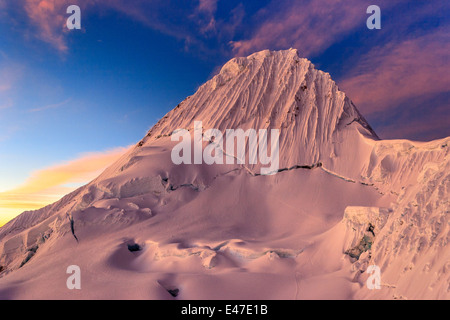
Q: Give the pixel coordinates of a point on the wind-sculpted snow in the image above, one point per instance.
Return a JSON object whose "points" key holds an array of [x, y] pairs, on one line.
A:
{"points": [[274, 90], [413, 246], [341, 200]]}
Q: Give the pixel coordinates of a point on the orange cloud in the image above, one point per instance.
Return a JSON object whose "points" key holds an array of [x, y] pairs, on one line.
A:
{"points": [[48, 185]]}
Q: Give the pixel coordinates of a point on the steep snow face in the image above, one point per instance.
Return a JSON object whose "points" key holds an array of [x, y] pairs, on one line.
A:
{"points": [[274, 90], [341, 201]]}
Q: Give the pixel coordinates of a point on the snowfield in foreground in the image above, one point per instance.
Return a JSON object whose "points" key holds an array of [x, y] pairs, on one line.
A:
{"points": [[343, 200]]}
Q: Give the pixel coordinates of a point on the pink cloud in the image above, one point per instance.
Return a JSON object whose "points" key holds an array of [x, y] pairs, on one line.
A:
{"points": [[204, 14], [48, 17], [209, 6], [310, 26], [400, 70], [190, 23]]}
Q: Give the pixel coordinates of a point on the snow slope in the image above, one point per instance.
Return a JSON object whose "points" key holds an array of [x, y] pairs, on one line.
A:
{"points": [[341, 201]]}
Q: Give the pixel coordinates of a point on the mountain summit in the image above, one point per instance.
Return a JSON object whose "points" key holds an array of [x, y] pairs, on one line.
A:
{"points": [[274, 90], [340, 201]]}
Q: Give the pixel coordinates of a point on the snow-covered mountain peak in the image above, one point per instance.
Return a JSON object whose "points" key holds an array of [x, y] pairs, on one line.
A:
{"points": [[273, 90], [341, 200]]}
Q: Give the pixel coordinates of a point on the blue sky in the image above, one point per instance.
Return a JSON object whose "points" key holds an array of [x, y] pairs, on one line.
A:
{"points": [[65, 94]]}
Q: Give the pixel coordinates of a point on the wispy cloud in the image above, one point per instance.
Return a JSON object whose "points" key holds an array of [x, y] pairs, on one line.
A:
{"points": [[48, 185], [400, 70], [204, 14], [191, 22], [405, 61], [404, 85], [51, 106], [48, 17], [310, 26]]}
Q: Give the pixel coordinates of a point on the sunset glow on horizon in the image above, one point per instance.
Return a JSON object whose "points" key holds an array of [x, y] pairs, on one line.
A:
{"points": [[48, 185]]}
